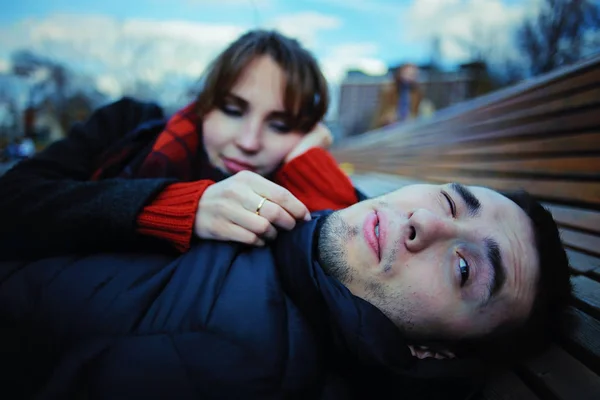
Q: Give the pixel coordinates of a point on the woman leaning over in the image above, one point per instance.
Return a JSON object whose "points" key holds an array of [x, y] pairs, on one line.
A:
{"points": [[246, 158]]}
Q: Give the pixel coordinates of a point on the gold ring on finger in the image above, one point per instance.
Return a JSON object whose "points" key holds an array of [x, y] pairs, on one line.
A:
{"points": [[262, 202]]}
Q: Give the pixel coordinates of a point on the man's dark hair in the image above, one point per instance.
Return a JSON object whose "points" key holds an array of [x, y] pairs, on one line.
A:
{"points": [[548, 318]]}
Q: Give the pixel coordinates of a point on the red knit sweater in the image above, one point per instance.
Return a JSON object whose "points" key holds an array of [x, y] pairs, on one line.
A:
{"points": [[313, 177]]}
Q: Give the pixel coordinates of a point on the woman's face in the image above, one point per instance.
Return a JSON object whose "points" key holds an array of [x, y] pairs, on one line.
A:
{"points": [[250, 129]]}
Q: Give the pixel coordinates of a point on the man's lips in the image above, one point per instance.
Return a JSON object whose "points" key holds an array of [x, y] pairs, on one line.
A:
{"points": [[373, 241], [234, 165]]}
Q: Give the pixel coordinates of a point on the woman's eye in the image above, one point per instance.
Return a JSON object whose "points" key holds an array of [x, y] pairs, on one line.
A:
{"points": [[231, 110], [464, 269], [280, 127], [451, 203]]}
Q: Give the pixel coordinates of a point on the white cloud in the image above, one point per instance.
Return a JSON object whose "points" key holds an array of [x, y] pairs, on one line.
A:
{"points": [[4, 65], [305, 26], [463, 23], [352, 56], [108, 84], [119, 52]]}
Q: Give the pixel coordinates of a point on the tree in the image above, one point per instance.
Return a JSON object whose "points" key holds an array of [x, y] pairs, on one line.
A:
{"points": [[563, 31], [54, 89]]}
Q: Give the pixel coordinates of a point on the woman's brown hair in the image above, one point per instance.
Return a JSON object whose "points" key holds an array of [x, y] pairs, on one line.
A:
{"points": [[306, 95]]}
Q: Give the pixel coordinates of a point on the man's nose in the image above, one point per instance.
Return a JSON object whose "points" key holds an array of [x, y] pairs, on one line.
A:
{"points": [[250, 137], [426, 228]]}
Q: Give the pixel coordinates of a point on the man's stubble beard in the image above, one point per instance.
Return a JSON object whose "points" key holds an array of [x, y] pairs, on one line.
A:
{"points": [[334, 238], [332, 253]]}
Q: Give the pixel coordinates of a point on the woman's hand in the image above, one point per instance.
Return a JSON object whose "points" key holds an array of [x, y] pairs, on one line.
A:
{"points": [[228, 210], [320, 136]]}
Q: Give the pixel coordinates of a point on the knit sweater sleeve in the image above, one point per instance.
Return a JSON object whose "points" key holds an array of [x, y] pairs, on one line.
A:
{"points": [[48, 205], [170, 216], [316, 180]]}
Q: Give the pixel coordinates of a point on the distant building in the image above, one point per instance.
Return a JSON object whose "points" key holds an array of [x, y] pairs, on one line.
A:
{"points": [[359, 92], [357, 101]]}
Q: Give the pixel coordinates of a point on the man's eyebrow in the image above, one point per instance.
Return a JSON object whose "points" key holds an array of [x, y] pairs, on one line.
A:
{"points": [[472, 202], [498, 274]]}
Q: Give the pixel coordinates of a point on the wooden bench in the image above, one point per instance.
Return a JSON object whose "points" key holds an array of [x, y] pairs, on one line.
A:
{"points": [[543, 136]]}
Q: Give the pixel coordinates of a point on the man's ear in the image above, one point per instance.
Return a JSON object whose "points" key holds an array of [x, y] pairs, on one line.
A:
{"points": [[422, 352]]}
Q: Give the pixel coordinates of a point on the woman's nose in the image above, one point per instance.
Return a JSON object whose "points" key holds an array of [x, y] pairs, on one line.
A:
{"points": [[250, 139]]}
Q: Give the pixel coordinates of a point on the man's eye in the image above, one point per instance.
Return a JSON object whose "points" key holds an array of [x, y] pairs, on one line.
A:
{"points": [[464, 269], [451, 203]]}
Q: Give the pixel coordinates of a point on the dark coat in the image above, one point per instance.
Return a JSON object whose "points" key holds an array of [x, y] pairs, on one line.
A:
{"points": [[48, 206], [222, 321]]}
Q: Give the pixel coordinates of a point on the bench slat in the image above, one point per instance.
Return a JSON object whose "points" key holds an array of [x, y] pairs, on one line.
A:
{"points": [[567, 101], [546, 189], [507, 386], [576, 218], [564, 144], [586, 293], [563, 376], [567, 191], [581, 241], [561, 167], [586, 119], [582, 263], [537, 95], [444, 135], [584, 340]]}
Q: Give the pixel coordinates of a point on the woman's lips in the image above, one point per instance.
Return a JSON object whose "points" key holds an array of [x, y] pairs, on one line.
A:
{"points": [[234, 165], [369, 231]]}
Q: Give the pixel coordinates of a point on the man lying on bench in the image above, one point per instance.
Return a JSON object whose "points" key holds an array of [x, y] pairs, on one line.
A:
{"points": [[396, 294]]}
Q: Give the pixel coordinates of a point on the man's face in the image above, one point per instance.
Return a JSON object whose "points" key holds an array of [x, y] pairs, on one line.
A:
{"points": [[442, 262]]}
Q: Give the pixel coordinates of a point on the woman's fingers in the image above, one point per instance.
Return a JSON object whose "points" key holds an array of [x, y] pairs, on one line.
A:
{"points": [[275, 194]]}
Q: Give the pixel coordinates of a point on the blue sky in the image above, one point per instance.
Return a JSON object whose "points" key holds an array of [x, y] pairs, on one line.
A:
{"points": [[118, 41]]}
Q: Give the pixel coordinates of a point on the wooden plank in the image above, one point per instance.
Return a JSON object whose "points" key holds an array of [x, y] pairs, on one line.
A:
{"points": [[557, 145], [562, 376], [586, 143], [576, 121], [548, 189], [586, 293], [377, 184], [539, 94], [507, 386], [533, 112], [584, 340], [575, 218], [564, 166], [582, 263], [442, 133], [564, 191], [581, 241], [498, 148]]}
